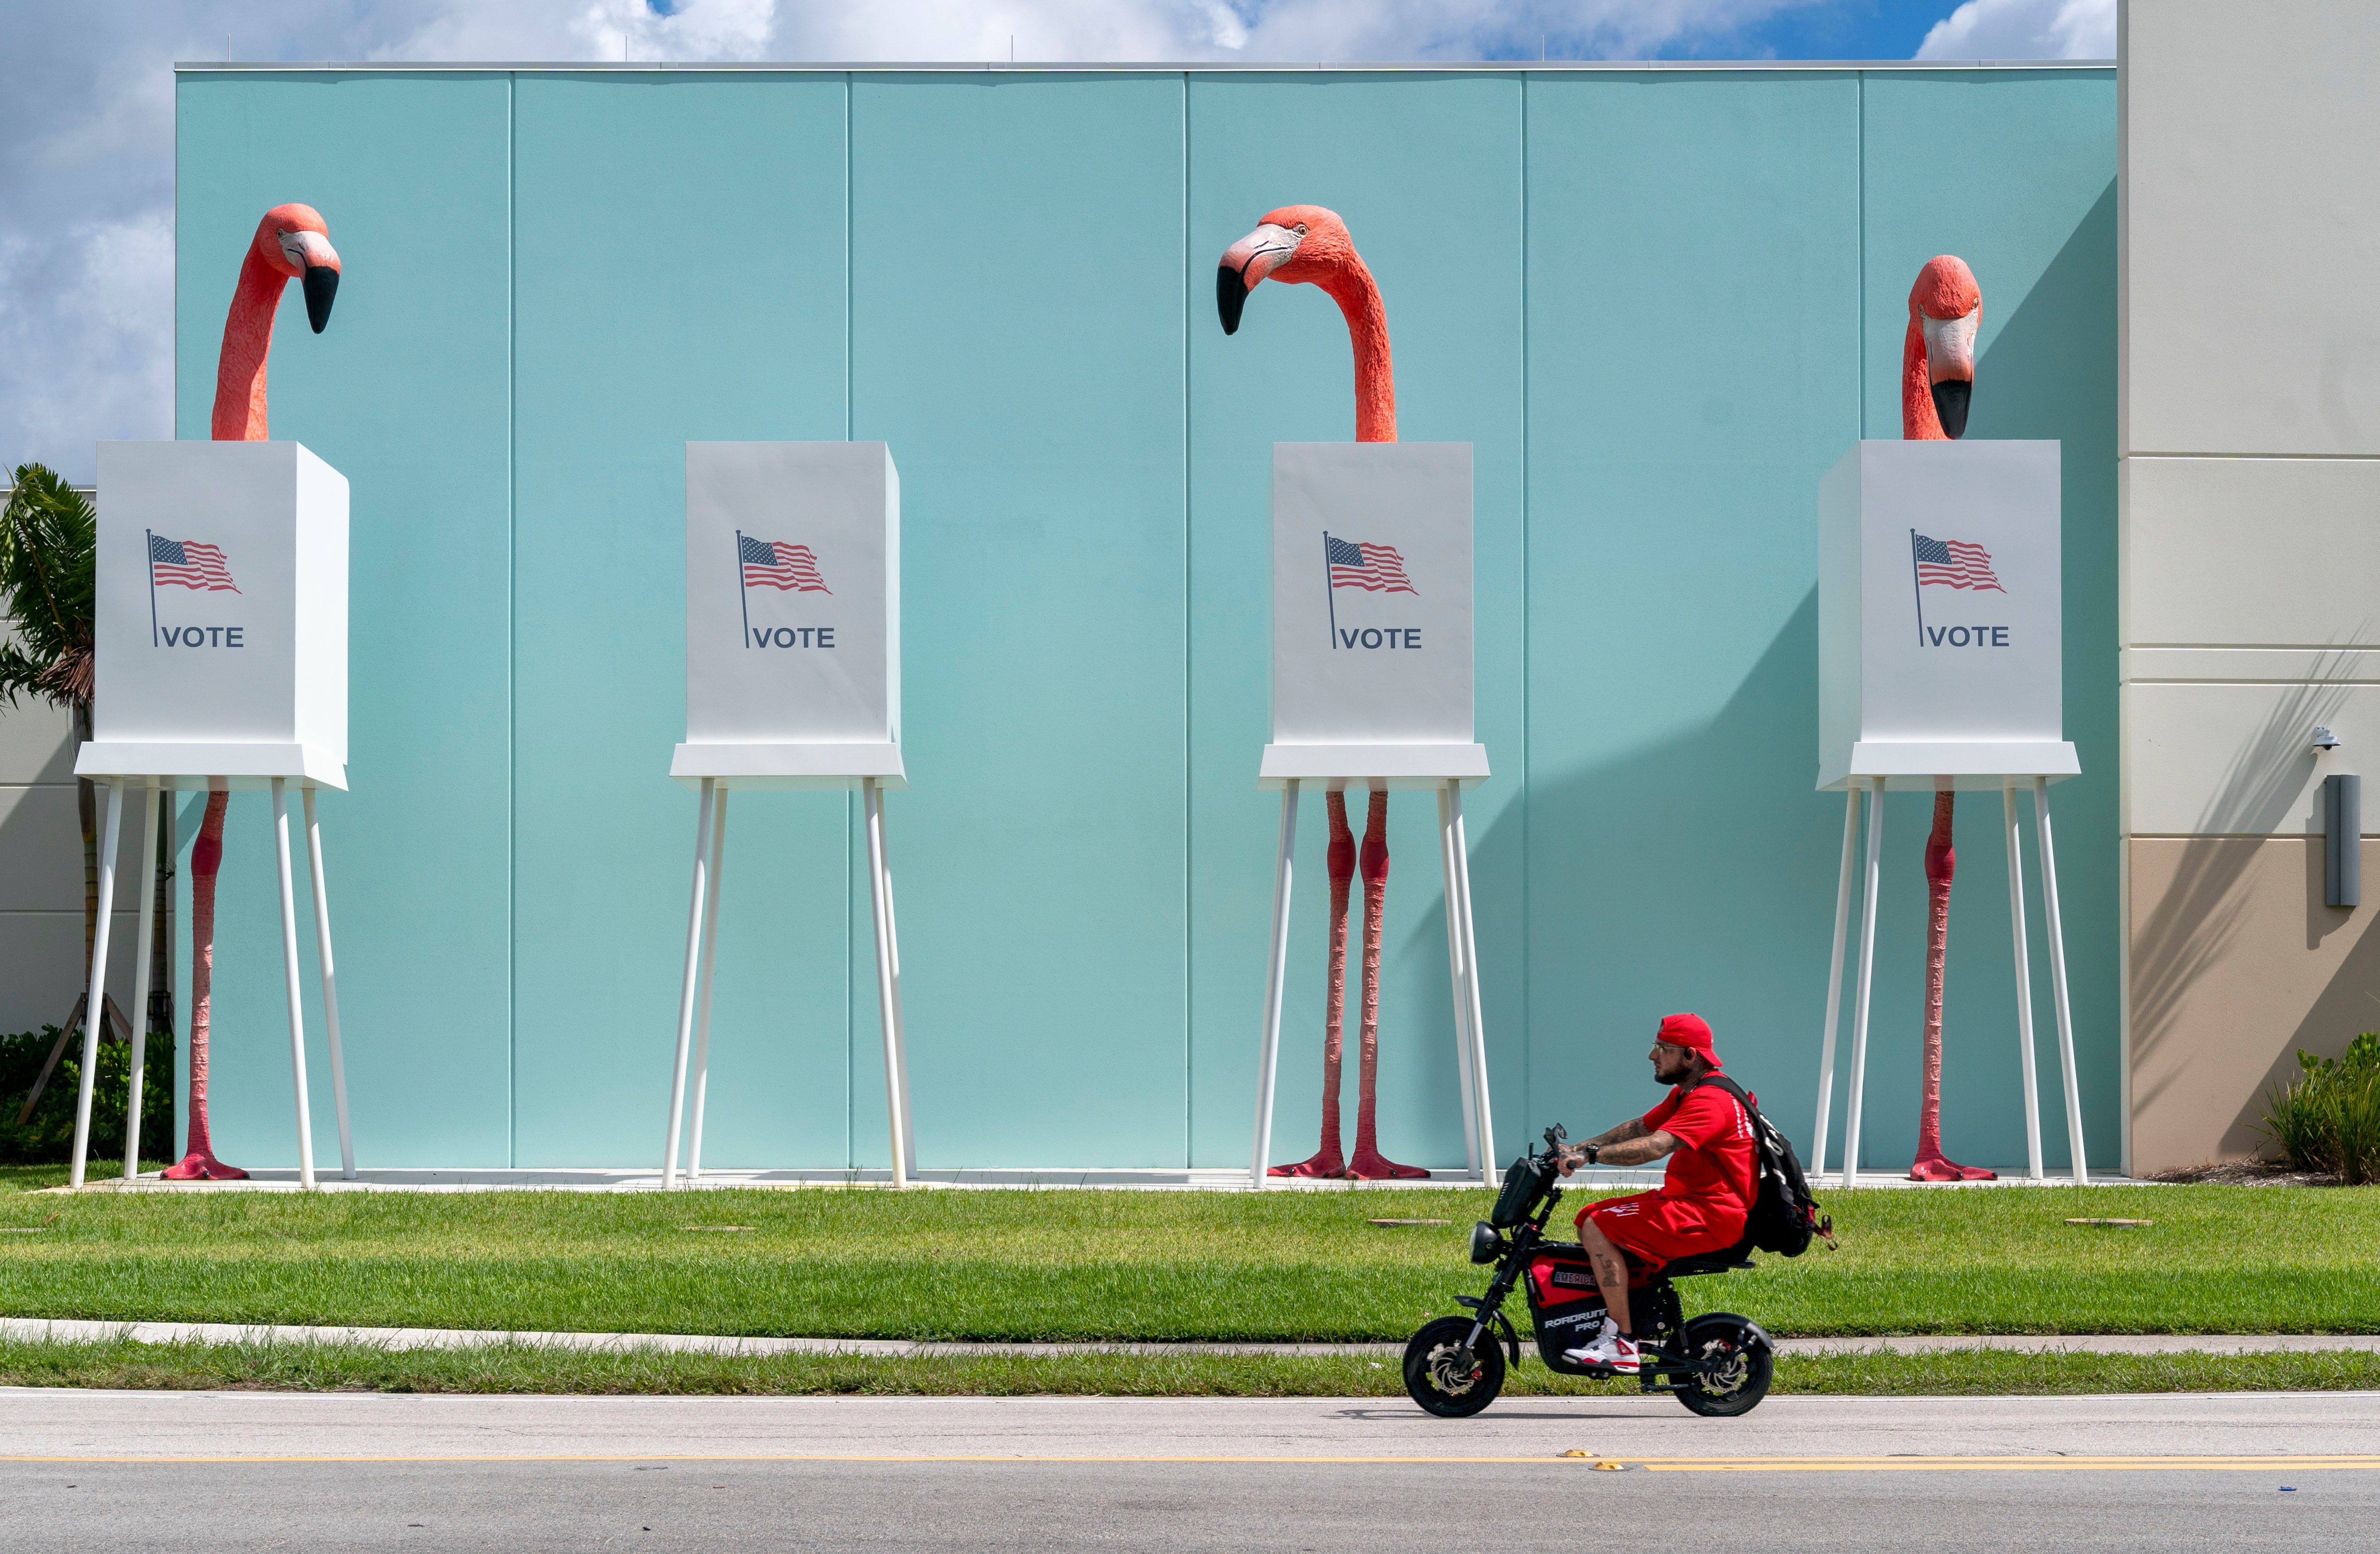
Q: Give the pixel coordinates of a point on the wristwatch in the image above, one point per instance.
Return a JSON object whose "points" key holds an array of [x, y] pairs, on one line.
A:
{"points": [[1592, 1151]]}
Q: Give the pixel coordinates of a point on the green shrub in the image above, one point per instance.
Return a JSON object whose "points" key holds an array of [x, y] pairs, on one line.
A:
{"points": [[2327, 1119], [47, 1136]]}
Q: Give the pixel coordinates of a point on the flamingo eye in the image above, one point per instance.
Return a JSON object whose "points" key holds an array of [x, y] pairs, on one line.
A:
{"points": [[1299, 229]]}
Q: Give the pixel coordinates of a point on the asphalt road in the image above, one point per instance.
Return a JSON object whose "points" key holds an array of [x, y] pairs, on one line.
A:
{"points": [[84, 1470]]}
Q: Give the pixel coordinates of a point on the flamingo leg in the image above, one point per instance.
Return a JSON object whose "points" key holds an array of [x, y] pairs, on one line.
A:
{"points": [[1368, 1162], [1330, 1160], [198, 1164], [1941, 863]]}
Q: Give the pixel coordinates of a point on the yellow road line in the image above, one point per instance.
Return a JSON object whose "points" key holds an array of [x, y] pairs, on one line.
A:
{"points": [[1997, 1464], [2294, 1462]]}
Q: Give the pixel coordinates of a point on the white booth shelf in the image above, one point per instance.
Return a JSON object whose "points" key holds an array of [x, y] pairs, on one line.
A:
{"points": [[1330, 768], [1969, 766], [796, 767], [192, 767]]}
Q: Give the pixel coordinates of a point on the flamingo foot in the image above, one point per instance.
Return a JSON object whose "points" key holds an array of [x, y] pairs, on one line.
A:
{"points": [[202, 1166], [1370, 1165], [1936, 1168], [1325, 1164]]}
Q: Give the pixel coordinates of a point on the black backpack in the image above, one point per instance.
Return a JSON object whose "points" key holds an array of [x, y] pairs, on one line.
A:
{"points": [[1783, 1216]]}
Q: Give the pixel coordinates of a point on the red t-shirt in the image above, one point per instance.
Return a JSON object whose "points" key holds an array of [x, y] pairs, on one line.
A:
{"points": [[1713, 1161]]}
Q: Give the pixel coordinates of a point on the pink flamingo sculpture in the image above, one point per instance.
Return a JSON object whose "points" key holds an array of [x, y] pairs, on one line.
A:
{"points": [[292, 243], [1937, 377], [1307, 244]]}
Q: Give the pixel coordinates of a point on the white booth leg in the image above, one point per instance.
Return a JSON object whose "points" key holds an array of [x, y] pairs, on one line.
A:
{"points": [[710, 959], [1276, 976], [908, 1142], [330, 986], [888, 986], [2057, 979], [290, 981], [146, 944], [2024, 985], [95, 1009], [1471, 994], [687, 988], [1867, 979], [1835, 981], [1470, 1152]]}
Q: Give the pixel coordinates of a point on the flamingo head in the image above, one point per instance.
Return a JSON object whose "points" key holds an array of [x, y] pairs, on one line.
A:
{"points": [[1295, 243], [1945, 308], [294, 243]]}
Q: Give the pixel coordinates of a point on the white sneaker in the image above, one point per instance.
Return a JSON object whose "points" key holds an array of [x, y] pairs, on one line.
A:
{"points": [[1612, 1347], [1578, 1357]]}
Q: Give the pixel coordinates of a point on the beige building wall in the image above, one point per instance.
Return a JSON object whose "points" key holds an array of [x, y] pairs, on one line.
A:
{"points": [[41, 873], [2249, 446]]}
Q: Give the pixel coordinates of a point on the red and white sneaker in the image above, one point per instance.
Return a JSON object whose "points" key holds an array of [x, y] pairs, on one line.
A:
{"points": [[1612, 1347]]}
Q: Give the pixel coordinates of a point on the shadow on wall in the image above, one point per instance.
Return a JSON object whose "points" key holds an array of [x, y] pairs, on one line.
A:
{"points": [[2348, 1004], [1712, 837], [1707, 837], [2199, 918]]}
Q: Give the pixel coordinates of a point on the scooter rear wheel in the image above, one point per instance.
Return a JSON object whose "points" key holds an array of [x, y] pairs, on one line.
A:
{"points": [[1446, 1382], [1747, 1366]]}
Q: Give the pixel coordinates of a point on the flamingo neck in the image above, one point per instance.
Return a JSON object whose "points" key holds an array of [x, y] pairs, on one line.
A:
{"points": [[1918, 421], [248, 339], [1367, 330]]}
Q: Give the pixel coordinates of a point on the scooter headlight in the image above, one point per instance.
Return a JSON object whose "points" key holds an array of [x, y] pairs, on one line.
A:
{"points": [[1485, 1245]]}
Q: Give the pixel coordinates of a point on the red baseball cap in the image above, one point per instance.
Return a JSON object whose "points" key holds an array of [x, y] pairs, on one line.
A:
{"points": [[1691, 1031]]}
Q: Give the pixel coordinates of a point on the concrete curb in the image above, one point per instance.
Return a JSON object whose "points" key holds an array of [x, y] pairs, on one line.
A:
{"points": [[37, 1329]]}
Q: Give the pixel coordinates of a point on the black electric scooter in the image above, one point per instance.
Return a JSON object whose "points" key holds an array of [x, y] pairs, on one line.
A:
{"points": [[1718, 1364]]}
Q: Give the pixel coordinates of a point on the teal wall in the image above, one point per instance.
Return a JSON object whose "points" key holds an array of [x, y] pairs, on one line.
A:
{"points": [[1658, 304]]}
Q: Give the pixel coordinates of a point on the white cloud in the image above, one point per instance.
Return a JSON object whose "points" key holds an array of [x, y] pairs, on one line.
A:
{"points": [[87, 121], [2024, 29]]}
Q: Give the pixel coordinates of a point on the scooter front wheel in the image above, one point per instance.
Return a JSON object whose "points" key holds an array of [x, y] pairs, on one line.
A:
{"points": [[1743, 1364], [1449, 1380]]}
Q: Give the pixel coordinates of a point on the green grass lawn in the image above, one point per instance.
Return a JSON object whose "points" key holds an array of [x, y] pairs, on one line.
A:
{"points": [[513, 1368], [1137, 1265]]}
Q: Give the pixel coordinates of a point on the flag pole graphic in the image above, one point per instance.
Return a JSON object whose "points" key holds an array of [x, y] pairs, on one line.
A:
{"points": [[744, 595], [1329, 590], [1917, 588], [151, 535]]}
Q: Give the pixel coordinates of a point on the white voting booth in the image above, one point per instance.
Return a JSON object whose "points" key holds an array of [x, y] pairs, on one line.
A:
{"points": [[792, 680], [1371, 689], [222, 664], [1939, 666]]}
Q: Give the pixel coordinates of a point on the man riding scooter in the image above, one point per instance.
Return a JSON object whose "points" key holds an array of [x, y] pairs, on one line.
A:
{"points": [[1707, 1189]]}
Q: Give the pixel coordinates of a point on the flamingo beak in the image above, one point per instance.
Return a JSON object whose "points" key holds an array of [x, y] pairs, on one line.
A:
{"points": [[1246, 262], [1951, 368], [312, 253]]}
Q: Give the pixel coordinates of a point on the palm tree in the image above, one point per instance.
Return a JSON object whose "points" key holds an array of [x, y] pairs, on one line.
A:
{"points": [[48, 534]]}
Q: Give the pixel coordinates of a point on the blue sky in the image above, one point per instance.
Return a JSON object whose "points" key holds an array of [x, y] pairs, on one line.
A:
{"points": [[1853, 30], [86, 125]]}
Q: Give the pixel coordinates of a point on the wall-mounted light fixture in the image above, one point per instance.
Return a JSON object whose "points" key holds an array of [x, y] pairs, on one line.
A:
{"points": [[2323, 738], [2342, 840]]}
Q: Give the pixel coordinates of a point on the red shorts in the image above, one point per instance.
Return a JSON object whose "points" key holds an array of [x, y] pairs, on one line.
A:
{"points": [[1660, 1230]]}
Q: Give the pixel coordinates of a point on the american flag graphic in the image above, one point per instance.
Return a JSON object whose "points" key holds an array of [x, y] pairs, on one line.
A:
{"points": [[773, 563], [187, 564], [1374, 568], [1952, 563]]}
